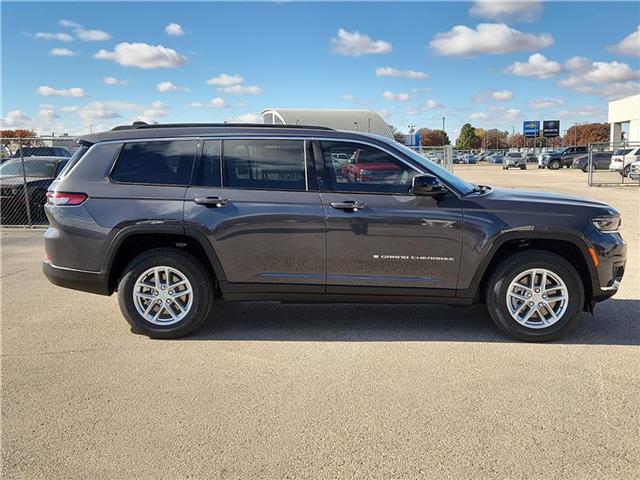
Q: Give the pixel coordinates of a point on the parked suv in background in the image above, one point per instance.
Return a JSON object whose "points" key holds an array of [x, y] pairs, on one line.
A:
{"points": [[174, 216], [514, 160], [623, 158], [561, 158]]}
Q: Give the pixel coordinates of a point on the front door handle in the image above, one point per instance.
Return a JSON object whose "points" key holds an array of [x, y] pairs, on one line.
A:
{"points": [[216, 202], [349, 205]]}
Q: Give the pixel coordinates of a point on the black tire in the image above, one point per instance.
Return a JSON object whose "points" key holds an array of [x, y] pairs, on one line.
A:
{"points": [[36, 204], [554, 165], [187, 265], [523, 167], [510, 268], [625, 171]]}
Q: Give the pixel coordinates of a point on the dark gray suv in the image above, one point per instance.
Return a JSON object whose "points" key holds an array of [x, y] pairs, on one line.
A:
{"points": [[173, 217]]}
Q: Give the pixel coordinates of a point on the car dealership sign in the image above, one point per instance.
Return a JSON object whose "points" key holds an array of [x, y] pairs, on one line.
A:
{"points": [[551, 128], [531, 128]]}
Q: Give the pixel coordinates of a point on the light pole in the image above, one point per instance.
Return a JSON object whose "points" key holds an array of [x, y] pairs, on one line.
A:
{"points": [[443, 133], [575, 134]]}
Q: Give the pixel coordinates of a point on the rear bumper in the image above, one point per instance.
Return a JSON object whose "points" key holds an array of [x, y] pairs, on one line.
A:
{"points": [[91, 282]]}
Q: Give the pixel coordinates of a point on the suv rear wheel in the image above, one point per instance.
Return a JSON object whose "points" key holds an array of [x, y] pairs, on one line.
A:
{"points": [[165, 293], [554, 164], [535, 296]]}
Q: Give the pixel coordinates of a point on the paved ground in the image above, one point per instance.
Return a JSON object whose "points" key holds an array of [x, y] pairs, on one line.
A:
{"points": [[285, 391]]}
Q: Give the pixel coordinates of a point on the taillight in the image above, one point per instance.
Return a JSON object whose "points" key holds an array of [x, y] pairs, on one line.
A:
{"points": [[65, 198]]}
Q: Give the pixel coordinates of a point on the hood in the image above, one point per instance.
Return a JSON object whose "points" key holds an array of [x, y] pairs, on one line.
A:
{"points": [[540, 202]]}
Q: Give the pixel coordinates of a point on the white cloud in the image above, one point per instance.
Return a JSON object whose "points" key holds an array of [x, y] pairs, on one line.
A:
{"points": [[94, 111], [69, 108], [226, 80], [143, 55], [15, 118], [196, 104], [478, 116], [502, 95], [174, 29], [578, 64], [537, 66], [396, 97], [92, 35], [217, 102], [542, 103], [487, 38], [61, 37], [242, 90], [629, 45], [592, 113], [425, 107], [506, 113], [86, 35], [394, 72], [528, 11], [47, 91], [606, 79], [166, 87], [153, 112], [113, 81], [47, 112], [603, 72], [62, 52], [245, 118], [354, 44], [68, 23], [347, 97]]}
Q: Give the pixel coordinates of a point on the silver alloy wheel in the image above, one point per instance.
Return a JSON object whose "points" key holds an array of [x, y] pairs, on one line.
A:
{"points": [[162, 295], [537, 298]]}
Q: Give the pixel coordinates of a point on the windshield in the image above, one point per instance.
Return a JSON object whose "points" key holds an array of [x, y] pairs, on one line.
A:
{"points": [[442, 173], [32, 168], [622, 151]]}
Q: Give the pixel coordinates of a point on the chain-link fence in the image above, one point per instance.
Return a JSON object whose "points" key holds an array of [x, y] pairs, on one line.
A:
{"points": [[612, 163], [28, 166]]}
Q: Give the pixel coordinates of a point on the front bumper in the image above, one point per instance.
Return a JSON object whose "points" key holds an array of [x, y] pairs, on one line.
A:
{"points": [[91, 282], [611, 253]]}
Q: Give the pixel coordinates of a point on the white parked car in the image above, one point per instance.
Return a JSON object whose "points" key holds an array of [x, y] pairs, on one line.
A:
{"points": [[623, 158], [634, 171], [514, 159]]}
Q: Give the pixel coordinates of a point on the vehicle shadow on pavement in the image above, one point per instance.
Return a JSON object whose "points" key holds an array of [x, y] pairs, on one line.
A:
{"points": [[615, 323]]}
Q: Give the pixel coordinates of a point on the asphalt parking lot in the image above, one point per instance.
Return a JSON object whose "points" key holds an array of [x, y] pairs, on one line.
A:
{"points": [[313, 391]]}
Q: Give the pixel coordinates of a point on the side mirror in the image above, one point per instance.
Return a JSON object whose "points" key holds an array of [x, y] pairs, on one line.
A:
{"points": [[427, 186]]}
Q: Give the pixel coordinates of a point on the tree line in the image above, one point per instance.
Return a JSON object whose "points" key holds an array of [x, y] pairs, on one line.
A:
{"points": [[475, 138]]}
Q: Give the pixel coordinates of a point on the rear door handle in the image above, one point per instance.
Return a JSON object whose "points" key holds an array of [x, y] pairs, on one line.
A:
{"points": [[349, 205], [216, 202]]}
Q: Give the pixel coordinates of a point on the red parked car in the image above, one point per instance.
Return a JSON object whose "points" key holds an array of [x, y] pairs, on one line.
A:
{"points": [[369, 165]]}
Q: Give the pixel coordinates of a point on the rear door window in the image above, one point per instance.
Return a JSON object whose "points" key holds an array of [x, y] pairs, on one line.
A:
{"points": [[155, 163], [269, 164]]}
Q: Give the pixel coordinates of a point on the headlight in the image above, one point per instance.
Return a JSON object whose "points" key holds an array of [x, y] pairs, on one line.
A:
{"points": [[607, 224]]}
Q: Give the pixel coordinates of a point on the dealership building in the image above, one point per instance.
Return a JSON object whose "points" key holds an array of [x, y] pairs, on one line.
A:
{"points": [[354, 120], [624, 118]]}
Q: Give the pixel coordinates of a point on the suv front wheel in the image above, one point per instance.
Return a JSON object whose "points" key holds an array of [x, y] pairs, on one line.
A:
{"points": [[165, 293], [535, 296]]}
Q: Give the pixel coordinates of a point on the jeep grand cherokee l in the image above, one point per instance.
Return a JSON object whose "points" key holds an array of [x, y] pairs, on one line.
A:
{"points": [[175, 216]]}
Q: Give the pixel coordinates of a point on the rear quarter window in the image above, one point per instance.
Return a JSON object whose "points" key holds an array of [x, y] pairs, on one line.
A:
{"points": [[155, 163]]}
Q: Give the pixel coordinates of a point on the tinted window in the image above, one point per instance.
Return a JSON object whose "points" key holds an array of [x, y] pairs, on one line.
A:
{"points": [[32, 168], [159, 163], [77, 155], [208, 170], [355, 167], [264, 164]]}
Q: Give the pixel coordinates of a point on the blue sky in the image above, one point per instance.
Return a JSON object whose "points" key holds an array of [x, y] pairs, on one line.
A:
{"points": [[490, 64]]}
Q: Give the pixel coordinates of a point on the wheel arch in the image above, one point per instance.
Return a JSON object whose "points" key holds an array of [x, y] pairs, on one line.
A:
{"points": [[134, 240], [571, 247]]}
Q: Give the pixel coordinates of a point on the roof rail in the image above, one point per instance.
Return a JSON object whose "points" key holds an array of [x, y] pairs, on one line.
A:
{"points": [[140, 125]]}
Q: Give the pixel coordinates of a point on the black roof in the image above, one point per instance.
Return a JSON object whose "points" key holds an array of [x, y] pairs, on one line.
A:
{"points": [[139, 130], [139, 125]]}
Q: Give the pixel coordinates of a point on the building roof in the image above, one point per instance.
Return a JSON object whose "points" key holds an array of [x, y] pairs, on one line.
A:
{"points": [[351, 120]]}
